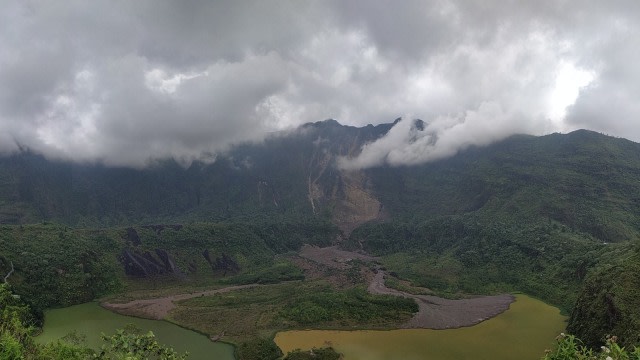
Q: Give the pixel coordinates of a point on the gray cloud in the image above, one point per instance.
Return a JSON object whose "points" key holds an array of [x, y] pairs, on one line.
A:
{"points": [[127, 82]]}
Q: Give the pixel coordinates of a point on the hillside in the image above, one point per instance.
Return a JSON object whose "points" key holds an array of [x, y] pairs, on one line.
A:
{"points": [[531, 214], [583, 180]]}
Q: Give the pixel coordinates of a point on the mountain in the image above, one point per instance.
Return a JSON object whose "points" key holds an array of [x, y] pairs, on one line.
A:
{"points": [[289, 175], [583, 180], [533, 214]]}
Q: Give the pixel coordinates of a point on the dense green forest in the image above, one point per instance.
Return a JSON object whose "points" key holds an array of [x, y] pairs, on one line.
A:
{"points": [[553, 216]]}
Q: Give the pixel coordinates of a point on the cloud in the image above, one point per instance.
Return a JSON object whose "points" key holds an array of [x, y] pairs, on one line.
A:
{"points": [[124, 83], [412, 142]]}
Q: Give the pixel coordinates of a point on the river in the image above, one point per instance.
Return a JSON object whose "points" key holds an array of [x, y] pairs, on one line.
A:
{"points": [[90, 320], [522, 332]]}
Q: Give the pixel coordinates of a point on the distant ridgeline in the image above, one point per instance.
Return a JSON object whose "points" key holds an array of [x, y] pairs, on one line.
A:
{"points": [[534, 214]]}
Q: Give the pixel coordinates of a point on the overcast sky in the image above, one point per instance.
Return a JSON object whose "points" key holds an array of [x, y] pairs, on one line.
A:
{"points": [[122, 82]]}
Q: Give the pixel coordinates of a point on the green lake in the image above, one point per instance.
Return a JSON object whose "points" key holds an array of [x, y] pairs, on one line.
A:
{"points": [[90, 320], [522, 332]]}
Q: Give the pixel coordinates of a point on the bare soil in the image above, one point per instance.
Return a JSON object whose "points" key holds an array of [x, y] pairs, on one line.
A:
{"points": [[332, 256]]}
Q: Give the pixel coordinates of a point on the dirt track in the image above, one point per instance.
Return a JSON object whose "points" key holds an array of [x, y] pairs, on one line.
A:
{"points": [[158, 308], [438, 313]]}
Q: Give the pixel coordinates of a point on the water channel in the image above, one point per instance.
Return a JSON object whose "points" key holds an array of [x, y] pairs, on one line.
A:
{"points": [[91, 320]]}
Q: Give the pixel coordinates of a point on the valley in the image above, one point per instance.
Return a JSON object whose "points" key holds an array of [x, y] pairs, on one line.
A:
{"points": [[275, 237]]}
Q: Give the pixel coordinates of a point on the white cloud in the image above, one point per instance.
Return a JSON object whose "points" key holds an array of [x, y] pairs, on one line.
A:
{"points": [[127, 82]]}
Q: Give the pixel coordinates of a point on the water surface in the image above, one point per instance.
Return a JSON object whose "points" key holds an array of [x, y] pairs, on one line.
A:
{"points": [[522, 332], [90, 320]]}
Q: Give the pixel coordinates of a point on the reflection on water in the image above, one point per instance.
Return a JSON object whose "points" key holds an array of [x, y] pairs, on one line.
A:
{"points": [[522, 332], [90, 320]]}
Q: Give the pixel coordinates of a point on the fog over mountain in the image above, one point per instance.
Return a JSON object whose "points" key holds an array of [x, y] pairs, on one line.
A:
{"points": [[123, 82]]}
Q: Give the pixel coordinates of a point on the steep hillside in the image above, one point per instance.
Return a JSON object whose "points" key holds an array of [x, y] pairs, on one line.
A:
{"points": [[288, 176], [583, 180]]}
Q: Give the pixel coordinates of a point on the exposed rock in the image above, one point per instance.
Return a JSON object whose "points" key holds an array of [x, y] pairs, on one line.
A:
{"points": [[169, 264], [132, 237], [145, 264], [223, 264]]}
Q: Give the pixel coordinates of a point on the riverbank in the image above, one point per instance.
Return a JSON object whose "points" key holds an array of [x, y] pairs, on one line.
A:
{"points": [[439, 313]]}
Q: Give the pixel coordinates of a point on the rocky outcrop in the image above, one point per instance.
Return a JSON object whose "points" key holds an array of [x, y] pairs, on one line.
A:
{"points": [[145, 264], [132, 237], [222, 264]]}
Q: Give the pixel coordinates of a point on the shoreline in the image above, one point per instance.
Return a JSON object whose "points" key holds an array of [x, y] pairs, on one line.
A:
{"points": [[439, 314]]}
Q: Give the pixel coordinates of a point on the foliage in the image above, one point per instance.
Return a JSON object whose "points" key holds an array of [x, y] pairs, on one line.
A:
{"points": [[349, 306], [130, 345], [469, 254], [250, 312], [258, 349], [610, 301], [327, 353], [15, 326], [278, 272], [569, 347], [56, 265]]}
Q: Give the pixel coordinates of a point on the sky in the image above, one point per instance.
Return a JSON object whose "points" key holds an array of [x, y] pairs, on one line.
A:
{"points": [[125, 82]]}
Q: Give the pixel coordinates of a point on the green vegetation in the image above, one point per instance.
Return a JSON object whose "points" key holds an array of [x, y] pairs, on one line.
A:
{"points": [[462, 254], [247, 313], [314, 354], [570, 347], [349, 308], [258, 348], [610, 301], [56, 265], [59, 266]]}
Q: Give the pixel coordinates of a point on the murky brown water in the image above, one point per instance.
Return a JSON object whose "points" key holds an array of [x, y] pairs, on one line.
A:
{"points": [[522, 332]]}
